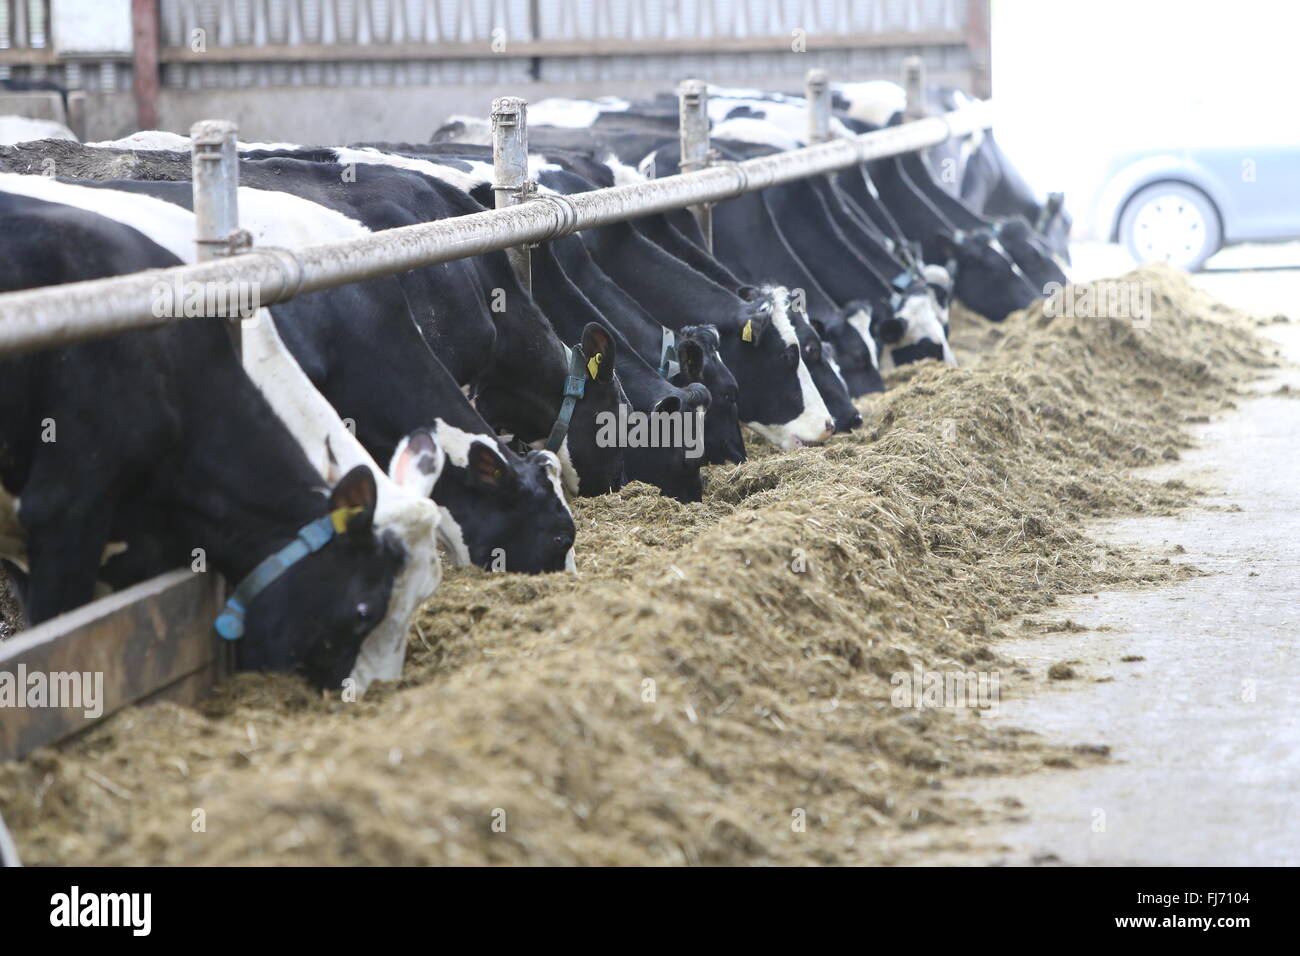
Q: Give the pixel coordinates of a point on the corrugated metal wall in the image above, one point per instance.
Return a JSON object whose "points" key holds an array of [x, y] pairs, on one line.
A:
{"points": [[213, 44]]}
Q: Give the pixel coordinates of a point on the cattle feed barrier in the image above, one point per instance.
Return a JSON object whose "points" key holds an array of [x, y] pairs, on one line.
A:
{"points": [[155, 640], [60, 315]]}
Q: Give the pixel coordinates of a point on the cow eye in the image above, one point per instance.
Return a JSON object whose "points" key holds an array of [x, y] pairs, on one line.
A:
{"points": [[364, 614]]}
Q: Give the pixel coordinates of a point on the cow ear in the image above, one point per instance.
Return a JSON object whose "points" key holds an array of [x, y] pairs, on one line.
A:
{"points": [[354, 497], [488, 469], [418, 462], [690, 356], [599, 348], [748, 292], [753, 324]]}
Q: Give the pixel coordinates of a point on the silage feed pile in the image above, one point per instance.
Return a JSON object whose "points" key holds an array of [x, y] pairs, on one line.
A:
{"points": [[715, 688]]}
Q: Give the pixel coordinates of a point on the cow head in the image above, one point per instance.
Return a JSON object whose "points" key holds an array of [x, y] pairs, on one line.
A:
{"points": [[697, 355], [1030, 252], [984, 277], [916, 328], [500, 510], [313, 618], [589, 468], [675, 469], [824, 368], [778, 398], [854, 351]]}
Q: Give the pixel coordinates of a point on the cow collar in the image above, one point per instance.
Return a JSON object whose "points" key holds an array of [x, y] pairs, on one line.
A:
{"points": [[668, 364], [311, 538], [575, 386]]}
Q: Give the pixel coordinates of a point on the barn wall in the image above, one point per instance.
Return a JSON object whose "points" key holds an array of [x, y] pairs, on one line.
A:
{"points": [[329, 70]]}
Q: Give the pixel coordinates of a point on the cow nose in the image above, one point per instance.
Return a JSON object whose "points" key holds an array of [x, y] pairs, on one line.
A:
{"points": [[854, 421]]}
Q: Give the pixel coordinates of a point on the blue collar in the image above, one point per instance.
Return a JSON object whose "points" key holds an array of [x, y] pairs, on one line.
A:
{"points": [[575, 386], [902, 281], [310, 539]]}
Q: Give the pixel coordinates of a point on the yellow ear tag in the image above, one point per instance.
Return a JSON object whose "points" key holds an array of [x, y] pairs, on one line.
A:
{"points": [[747, 333], [339, 517], [593, 364]]}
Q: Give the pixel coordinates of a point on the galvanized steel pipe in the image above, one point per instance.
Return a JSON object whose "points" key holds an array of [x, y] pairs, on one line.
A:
{"points": [[60, 315], [215, 178], [693, 123], [817, 94], [510, 170]]}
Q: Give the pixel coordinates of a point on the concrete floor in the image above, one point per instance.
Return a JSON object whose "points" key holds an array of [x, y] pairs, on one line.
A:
{"points": [[1204, 726]]}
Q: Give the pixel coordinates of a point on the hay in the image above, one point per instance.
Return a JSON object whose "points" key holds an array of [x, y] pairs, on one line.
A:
{"points": [[691, 698]]}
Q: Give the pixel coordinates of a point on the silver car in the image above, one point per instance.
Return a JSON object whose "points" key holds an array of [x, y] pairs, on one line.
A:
{"points": [[1182, 205]]}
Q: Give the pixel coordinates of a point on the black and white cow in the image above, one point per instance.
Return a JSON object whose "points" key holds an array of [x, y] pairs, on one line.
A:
{"points": [[677, 235], [830, 387], [188, 455], [977, 170], [907, 181], [504, 350], [1026, 249], [836, 241], [777, 397], [674, 469], [404, 506], [985, 278], [359, 346]]}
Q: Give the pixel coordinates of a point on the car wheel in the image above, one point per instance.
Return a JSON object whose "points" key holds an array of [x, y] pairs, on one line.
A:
{"points": [[1171, 222]]}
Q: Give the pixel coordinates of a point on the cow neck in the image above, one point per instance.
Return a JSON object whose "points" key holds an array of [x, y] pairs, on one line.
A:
{"points": [[244, 486], [674, 293], [523, 384], [575, 386]]}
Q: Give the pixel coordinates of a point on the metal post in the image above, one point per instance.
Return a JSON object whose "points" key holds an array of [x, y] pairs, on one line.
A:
{"points": [[510, 165], [914, 85], [817, 92], [216, 198], [144, 65], [693, 99]]}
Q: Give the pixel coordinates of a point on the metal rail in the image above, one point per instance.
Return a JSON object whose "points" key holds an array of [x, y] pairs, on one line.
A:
{"points": [[61, 315]]}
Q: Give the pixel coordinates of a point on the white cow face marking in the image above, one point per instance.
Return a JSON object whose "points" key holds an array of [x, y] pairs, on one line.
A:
{"points": [[814, 423]]}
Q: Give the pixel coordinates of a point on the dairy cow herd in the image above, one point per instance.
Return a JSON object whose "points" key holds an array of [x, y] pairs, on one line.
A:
{"points": [[369, 425]]}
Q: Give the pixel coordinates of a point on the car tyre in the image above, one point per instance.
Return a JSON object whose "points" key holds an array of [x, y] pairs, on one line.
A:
{"points": [[1171, 222]]}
